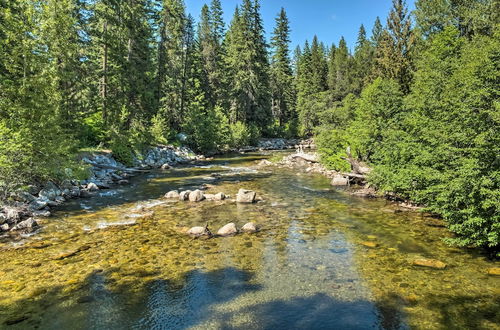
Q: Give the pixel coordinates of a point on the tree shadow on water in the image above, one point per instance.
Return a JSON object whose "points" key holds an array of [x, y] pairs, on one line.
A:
{"points": [[99, 303]]}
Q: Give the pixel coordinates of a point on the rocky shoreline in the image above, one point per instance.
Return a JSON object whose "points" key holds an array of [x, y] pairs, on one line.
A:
{"points": [[22, 213]]}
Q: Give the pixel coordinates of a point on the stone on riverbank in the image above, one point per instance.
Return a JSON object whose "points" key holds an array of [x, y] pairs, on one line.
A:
{"points": [[249, 227], [246, 196], [219, 197], [29, 223], [196, 196], [429, 263], [92, 187], [172, 194], [340, 180], [227, 230]]}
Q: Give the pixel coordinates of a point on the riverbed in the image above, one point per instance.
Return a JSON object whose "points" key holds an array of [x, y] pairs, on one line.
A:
{"points": [[323, 259]]}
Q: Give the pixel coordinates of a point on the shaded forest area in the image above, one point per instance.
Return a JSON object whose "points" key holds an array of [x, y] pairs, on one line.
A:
{"points": [[417, 99]]}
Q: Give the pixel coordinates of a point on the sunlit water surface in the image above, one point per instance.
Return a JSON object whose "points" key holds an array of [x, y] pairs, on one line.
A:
{"points": [[120, 262]]}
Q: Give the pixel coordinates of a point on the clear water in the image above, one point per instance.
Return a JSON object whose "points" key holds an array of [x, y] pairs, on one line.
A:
{"points": [[120, 261]]}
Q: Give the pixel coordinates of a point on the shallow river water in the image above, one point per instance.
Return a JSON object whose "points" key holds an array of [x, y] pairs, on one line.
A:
{"points": [[119, 261]]}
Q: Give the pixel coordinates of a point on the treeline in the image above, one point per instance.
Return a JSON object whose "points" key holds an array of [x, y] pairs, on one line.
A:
{"points": [[417, 99], [128, 74]]}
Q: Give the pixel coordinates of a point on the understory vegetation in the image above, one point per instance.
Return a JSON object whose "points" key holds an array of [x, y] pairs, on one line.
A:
{"points": [[417, 100]]}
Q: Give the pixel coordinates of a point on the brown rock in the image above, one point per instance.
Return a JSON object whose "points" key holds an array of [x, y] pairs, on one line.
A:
{"points": [[369, 244], [430, 263], [495, 271]]}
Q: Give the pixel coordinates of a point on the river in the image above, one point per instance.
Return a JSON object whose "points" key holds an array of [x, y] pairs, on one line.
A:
{"points": [[323, 259]]}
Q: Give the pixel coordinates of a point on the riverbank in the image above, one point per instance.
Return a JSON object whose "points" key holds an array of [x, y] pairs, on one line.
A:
{"points": [[21, 214]]}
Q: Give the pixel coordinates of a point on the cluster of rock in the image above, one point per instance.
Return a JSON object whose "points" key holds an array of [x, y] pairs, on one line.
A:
{"points": [[280, 144], [227, 230], [243, 196], [165, 156], [194, 196], [104, 171]]}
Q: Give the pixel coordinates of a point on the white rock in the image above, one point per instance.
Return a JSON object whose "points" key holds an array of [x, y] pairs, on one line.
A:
{"points": [[246, 196], [227, 230], [249, 227], [172, 194]]}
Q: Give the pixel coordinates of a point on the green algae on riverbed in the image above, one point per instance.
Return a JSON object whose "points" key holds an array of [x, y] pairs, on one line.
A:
{"points": [[99, 264]]}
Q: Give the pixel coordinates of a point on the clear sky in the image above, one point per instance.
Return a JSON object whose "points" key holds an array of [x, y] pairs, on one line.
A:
{"points": [[328, 19]]}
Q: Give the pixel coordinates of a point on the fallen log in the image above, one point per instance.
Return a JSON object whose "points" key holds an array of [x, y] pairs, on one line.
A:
{"points": [[307, 157], [354, 175], [356, 166]]}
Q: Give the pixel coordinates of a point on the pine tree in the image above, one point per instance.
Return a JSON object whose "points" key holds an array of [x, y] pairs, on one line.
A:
{"points": [[394, 54], [246, 59], [283, 93], [376, 32], [343, 68], [171, 62], [319, 66], [363, 61]]}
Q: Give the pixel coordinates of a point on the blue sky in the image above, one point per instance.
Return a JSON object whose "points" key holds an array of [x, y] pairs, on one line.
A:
{"points": [[328, 19]]}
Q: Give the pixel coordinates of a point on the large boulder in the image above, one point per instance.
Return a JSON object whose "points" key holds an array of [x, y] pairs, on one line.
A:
{"points": [[199, 231], [12, 214], [340, 180], [184, 195], [172, 194], [196, 196], [227, 230], [249, 227], [246, 196]]}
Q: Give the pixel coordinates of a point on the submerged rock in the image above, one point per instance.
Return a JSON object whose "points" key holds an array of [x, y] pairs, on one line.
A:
{"points": [[172, 194], [196, 196], [495, 271], [430, 263], [227, 230], [246, 196], [265, 162], [369, 244], [249, 227]]}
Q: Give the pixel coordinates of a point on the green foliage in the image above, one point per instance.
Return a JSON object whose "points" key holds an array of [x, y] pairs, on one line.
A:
{"points": [[159, 129], [93, 130], [121, 149]]}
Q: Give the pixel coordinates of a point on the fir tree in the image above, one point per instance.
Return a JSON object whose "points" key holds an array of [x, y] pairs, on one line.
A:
{"points": [[283, 94]]}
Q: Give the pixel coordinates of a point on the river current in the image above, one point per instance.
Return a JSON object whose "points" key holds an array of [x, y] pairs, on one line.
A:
{"points": [[323, 259]]}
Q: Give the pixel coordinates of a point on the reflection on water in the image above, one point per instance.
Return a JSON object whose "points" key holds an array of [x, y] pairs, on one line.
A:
{"points": [[118, 261]]}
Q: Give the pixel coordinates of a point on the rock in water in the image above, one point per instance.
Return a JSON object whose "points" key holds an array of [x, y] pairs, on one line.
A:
{"points": [[227, 230], [199, 231], [249, 227], [92, 187], [219, 197], [196, 196], [246, 196], [430, 263], [172, 194], [265, 162], [184, 195], [339, 180], [166, 167]]}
